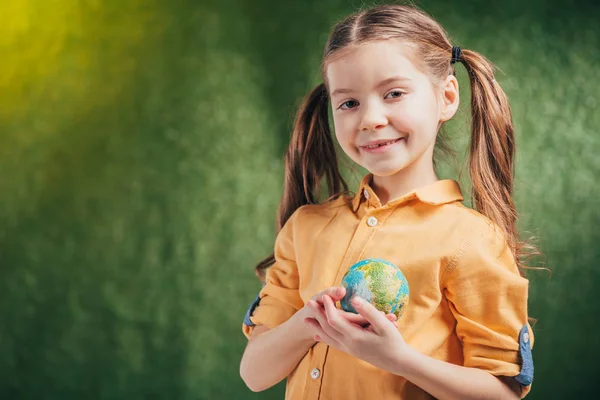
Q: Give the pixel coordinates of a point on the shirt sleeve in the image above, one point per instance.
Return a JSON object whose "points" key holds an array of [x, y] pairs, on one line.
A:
{"points": [[488, 298], [279, 298]]}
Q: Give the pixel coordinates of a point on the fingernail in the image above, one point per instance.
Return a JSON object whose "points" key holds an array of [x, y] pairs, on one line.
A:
{"points": [[338, 292], [357, 301]]}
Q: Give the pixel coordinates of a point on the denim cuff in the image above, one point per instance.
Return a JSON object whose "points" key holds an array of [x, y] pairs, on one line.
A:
{"points": [[525, 378], [254, 304]]}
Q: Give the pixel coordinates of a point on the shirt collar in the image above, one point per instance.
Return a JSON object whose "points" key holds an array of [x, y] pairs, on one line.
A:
{"points": [[441, 192]]}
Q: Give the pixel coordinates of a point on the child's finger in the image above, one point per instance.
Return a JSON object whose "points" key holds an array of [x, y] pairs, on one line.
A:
{"points": [[354, 318], [322, 318], [377, 318], [335, 292], [360, 320], [335, 320], [320, 334]]}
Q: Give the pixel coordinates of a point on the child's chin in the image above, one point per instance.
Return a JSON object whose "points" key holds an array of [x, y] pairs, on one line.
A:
{"points": [[386, 170]]}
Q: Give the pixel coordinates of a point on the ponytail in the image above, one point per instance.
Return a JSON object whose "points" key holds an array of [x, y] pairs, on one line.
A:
{"points": [[310, 157], [491, 161]]}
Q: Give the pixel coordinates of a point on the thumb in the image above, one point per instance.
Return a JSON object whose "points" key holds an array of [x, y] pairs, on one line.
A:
{"points": [[377, 319]]}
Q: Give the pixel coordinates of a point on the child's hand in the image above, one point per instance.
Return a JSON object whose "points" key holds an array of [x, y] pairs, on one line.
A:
{"points": [[315, 303], [381, 344]]}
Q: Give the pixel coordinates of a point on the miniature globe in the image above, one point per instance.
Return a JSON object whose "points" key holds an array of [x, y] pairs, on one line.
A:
{"points": [[379, 282]]}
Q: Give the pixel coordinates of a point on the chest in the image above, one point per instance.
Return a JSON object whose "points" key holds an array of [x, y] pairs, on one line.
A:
{"points": [[325, 254]]}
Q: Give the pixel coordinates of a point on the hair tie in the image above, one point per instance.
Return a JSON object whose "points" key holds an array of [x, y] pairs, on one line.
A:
{"points": [[456, 54]]}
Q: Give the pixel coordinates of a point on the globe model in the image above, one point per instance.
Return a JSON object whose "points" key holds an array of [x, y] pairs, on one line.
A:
{"points": [[379, 282]]}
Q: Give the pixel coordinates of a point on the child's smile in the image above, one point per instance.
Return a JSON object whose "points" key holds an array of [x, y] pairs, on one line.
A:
{"points": [[381, 146]]}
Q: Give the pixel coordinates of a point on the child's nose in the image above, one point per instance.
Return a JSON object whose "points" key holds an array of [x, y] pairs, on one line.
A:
{"points": [[373, 117]]}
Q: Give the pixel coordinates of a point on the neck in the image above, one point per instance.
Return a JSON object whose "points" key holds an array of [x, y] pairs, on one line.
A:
{"points": [[417, 174]]}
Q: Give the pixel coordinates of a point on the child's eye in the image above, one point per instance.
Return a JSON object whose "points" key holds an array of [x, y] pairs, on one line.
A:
{"points": [[396, 94], [345, 103]]}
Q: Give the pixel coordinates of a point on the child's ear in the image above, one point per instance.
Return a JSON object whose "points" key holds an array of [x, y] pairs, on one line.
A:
{"points": [[450, 98]]}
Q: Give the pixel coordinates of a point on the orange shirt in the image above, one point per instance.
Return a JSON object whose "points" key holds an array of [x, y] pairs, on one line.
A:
{"points": [[467, 304]]}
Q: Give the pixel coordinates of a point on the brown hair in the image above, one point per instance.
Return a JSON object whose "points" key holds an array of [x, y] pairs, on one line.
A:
{"points": [[311, 153]]}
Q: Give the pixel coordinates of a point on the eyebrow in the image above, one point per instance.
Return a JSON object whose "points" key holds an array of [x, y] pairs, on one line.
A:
{"points": [[382, 83]]}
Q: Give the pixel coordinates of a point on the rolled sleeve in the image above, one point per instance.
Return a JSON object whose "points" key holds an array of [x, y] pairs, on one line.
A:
{"points": [[488, 298], [279, 298]]}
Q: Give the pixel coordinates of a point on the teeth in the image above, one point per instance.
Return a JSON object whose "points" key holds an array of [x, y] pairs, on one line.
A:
{"points": [[380, 144]]}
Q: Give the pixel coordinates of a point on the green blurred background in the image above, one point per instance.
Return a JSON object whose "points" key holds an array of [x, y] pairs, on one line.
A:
{"points": [[141, 147]]}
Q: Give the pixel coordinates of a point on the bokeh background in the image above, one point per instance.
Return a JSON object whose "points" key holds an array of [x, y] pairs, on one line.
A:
{"points": [[141, 163]]}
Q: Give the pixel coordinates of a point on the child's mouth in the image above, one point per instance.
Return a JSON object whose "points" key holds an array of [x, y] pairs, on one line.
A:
{"points": [[381, 147]]}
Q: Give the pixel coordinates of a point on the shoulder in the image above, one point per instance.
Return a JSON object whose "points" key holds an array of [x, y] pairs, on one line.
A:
{"points": [[315, 213], [458, 225], [313, 216], [480, 243], [481, 229]]}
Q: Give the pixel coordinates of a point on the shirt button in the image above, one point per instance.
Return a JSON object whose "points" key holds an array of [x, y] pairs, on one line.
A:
{"points": [[366, 194], [526, 337], [315, 373], [372, 221]]}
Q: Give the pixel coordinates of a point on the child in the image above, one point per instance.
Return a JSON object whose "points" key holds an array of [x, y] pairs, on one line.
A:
{"points": [[389, 79]]}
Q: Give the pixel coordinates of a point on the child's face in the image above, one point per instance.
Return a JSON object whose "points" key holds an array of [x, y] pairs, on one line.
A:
{"points": [[407, 110]]}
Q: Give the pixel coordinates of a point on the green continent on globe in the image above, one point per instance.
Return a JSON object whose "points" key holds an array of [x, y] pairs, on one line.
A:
{"points": [[379, 282]]}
